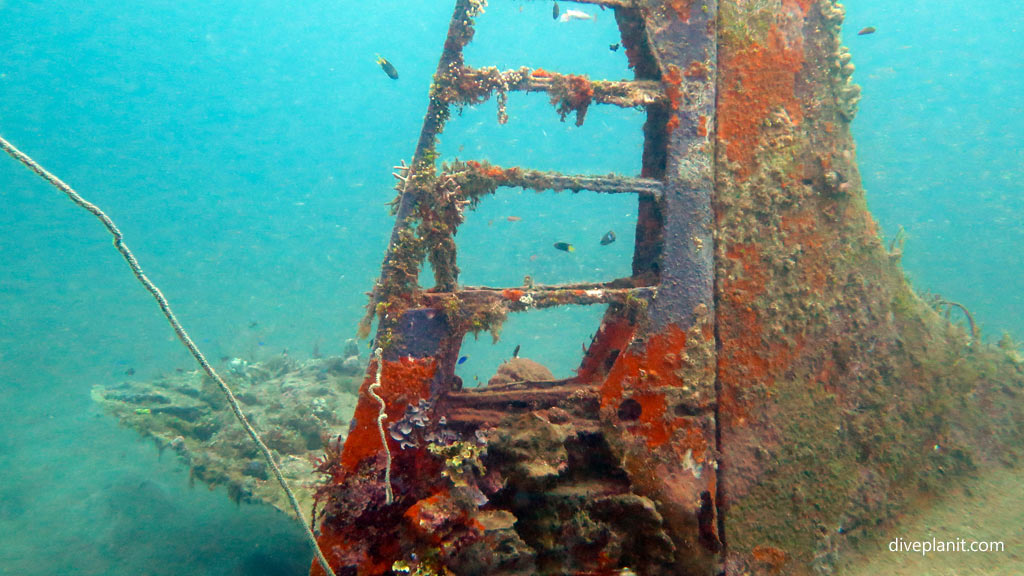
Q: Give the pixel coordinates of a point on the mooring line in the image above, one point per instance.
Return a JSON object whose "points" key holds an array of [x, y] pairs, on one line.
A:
{"points": [[179, 330]]}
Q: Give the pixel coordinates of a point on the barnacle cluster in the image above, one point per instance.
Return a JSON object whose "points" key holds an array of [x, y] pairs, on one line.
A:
{"points": [[847, 93], [411, 428]]}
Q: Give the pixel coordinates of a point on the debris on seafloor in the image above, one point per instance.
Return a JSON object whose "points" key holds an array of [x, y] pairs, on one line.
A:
{"points": [[295, 405]]}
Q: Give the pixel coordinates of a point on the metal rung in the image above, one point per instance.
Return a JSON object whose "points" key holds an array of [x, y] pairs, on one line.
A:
{"points": [[525, 298], [486, 406], [622, 93], [606, 3], [556, 181], [535, 394]]}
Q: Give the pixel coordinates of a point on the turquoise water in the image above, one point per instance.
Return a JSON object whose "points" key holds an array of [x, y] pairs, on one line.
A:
{"points": [[245, 150]]}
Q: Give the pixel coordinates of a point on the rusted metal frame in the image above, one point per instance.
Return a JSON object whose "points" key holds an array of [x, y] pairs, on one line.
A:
{"points": [[649, 233], [519, 299], [616, 93], [557, 182], [538, 394], [469, 419], [679, 150], [686, 259], [624, 94], [606, 3], [484, 308], [481, 407], [612, 185], [419, 179]]}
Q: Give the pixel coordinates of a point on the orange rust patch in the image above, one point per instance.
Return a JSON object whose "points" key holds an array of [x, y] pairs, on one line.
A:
{"points": [[613, 335], [693, 438], [739, 330], [643, 375], [494, 172], [512, 294], [696, 69], [404, 381], [428, 518], [338, 544], [681, 8], [756, 80], [579, 94], [652, 418], [702, 125], [747, 358], [541, 73], [770, 556], [673, 82], [802, 5]]}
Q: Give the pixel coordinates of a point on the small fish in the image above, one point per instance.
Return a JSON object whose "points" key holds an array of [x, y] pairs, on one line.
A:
{"points": [[608, 238], [513, 218], [555, 11], [253, 325], [564, 247], [387, 67], [129, 372], [143, 411], [614, 47], [571, 14], [462, 360], [866, 31], [515, 353]]}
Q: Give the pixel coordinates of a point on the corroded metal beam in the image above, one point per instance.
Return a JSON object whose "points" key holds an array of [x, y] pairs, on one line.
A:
{"points": [[624, 94]]}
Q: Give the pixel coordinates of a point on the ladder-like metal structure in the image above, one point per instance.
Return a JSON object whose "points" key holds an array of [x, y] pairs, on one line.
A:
{"points": [[646, 383]]}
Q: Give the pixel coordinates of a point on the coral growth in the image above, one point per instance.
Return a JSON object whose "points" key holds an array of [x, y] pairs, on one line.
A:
{"points": [[572, 94]]}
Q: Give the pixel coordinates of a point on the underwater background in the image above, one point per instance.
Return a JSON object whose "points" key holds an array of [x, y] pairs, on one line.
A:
{"points": [[245, 150]]}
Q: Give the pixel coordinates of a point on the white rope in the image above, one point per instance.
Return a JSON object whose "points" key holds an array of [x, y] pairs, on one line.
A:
{"points": [[180, 331]]}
